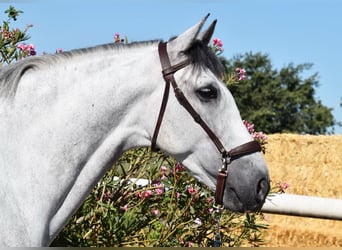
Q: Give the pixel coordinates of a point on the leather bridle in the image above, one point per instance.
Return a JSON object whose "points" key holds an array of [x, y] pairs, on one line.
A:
{"points": [[227, 156]]}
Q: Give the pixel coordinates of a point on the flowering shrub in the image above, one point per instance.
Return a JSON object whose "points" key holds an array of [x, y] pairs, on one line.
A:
{"points": [[27, 50], [217, 46], [235, 77], [171, 209], [11, 46], [258, 136]]}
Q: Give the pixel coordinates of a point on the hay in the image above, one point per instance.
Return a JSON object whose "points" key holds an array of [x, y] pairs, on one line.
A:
{"points": [[311, 165]]}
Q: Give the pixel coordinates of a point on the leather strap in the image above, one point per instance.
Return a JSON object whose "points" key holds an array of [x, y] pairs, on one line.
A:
{"points": [[220, 187], [160, 116], [168, 72], [244, 149], [227, 156]]}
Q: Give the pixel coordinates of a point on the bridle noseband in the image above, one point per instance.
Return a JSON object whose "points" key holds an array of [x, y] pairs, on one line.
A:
{"points": [[227, 156]]}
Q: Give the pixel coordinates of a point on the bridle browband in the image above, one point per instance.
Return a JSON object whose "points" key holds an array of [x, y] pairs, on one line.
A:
{"points": [[227, 156]]}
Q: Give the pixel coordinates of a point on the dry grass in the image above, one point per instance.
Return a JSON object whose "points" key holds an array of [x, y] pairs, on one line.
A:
{"points": [[312, 165]]}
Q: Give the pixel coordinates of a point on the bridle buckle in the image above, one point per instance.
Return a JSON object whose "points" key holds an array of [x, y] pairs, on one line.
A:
{"points": [[226, 160]]}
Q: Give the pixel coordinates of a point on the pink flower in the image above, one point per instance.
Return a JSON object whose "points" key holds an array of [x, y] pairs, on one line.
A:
{"points": [[217, 46], [144, 194], [147, 193], [192, 190], [189, 244], [179, 167], [125, 207], [28, 49], [241, 73], [217, 42], [31, 49], [21, 46], [260, 136], [198, 221], [159, 191], [117, 38], [155, 211], [163, 169], [282, 186], [249, 126], [242, 77]]}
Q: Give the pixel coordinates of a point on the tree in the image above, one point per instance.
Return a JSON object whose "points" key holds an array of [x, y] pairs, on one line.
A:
{"points": [[278, 101]]}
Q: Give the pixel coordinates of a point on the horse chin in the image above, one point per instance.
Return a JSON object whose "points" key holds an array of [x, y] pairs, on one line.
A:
{"points": [[232, 202]]}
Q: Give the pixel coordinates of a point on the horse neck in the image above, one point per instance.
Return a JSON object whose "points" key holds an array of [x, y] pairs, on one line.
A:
{"points": [[98, 91], [75, 118]]}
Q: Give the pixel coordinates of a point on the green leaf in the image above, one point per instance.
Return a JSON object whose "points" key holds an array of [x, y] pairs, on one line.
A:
{"points": [[13, 13]]}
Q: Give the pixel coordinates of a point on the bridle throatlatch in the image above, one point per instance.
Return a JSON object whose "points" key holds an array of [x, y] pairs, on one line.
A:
{"points": [[227, 156]]}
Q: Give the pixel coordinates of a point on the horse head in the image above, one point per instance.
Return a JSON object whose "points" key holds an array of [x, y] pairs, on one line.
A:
{"points": [[197, 73]]}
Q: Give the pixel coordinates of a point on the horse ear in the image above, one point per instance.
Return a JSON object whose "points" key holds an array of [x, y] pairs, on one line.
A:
{"points": [[185, 40], [206, 35]]}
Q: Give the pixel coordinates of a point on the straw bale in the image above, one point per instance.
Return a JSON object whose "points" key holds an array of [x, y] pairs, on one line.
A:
{"points": [[311, 165]]}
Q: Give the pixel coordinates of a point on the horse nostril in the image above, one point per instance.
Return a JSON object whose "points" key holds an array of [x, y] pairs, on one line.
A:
{"points": [[262, 190]]}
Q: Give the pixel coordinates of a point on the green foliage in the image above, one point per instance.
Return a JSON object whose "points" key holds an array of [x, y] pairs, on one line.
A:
{"points": [[279, 101], [172, 210]]}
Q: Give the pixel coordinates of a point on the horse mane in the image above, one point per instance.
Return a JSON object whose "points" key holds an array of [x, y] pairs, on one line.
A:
{"points": [[10, 75], [103, 47], [200, 55]]}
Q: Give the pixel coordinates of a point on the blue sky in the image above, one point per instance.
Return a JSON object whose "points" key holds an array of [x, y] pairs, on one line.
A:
{"points": [[297, 31]]}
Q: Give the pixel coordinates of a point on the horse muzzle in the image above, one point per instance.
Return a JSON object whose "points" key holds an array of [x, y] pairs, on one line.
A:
{"points": [[247, 185]]}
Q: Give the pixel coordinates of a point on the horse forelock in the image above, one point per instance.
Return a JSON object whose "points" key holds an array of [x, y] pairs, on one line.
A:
{"points": [[202, 57]]}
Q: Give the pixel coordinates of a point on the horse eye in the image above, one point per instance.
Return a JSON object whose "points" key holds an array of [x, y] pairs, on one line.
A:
{"points": [[207, 93]]}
